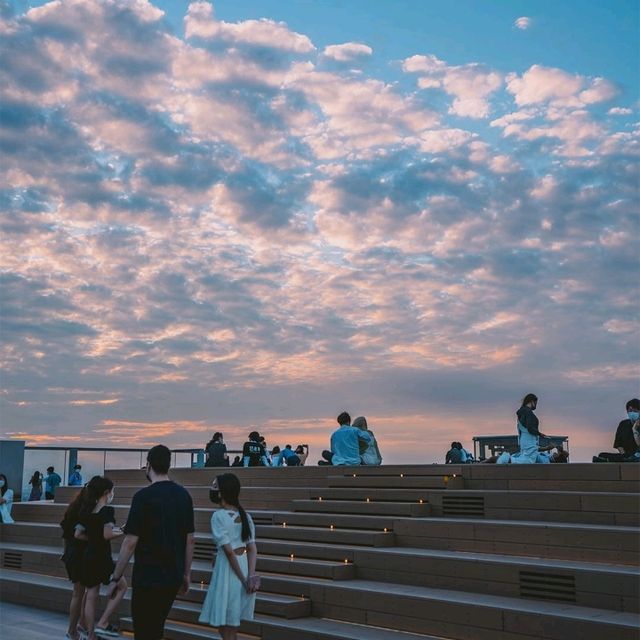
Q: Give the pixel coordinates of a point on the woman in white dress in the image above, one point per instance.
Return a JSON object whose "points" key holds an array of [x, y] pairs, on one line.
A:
{"points": [[231, 596]]}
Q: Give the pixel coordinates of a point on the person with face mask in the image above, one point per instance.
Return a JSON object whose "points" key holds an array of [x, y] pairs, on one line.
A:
{"points": [[160, 530], [6, 500], [97, 527], [232, 589], [626, 441]]}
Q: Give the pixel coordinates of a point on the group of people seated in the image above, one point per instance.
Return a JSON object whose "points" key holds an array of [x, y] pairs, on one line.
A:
{"points": [[352, 444], [458, 454], [255, 453]]}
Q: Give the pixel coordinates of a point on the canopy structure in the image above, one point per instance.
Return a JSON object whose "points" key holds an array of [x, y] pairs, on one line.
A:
{"points": [[497, 444]]}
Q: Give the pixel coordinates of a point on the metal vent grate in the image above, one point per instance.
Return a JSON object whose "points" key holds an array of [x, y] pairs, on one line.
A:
{"points": [[203, 551], [463, 506], [547, 586], [12, 560]]}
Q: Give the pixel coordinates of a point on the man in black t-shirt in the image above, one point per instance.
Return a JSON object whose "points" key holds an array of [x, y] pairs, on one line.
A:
{"points": [[624, 441], [253, 452], [160, 529]]}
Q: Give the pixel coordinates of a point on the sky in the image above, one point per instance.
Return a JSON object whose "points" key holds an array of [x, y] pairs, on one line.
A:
{"points": [[247, 215]]}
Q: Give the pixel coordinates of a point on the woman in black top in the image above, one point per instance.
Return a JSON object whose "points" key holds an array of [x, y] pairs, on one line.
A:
{"points": [[36, 487], [72, 558], [217, 455], [97, 528]]}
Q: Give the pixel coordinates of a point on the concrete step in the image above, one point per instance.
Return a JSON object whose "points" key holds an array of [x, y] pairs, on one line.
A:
{"points": [[569, 541], [389, 482], [326, 535], [268, 628], [18, 585], [368, 506], [326, 520]]}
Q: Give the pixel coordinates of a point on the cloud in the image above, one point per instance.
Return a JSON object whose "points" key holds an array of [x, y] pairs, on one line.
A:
{"points": [[523, 23], [620, 111], [229, 229], [347, 52], [200, 22], [471, 84]]}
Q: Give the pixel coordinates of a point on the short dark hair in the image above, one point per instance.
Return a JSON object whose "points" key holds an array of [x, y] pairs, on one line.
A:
{"points": [[216, 436], [78, 466], [344, 418], [288, 446], [530, 397], [634, 403], [159, 457], [49, 469], [254, 436]]}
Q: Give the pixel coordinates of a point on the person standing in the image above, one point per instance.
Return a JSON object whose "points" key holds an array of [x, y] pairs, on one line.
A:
{"points": [[36, 487], [6, 500], [72, 558], [97, 527], [52, 480], [231, 595], [160, 530], [75, 479]]}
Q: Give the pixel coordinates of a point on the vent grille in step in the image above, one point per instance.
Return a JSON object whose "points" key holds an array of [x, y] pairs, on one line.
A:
{"points": [[12, 560], [547, 586], [463, 506]]}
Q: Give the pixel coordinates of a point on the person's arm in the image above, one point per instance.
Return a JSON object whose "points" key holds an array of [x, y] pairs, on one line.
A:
{"points": [[618, 441], [80, 534], [636, 432], [7, 498], [188, 560], [127, 548]]}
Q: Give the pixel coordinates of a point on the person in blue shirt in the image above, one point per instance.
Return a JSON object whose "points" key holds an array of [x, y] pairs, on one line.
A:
{"points": [[345, 443], [288, 457], [75, 479]]}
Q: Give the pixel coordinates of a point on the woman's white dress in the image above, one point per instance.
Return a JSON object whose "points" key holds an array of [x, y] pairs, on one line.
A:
{"points": [[227, 602]]}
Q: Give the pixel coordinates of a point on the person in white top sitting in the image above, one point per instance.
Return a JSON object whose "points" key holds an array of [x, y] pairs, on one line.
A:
{"points": [[6, 500]]}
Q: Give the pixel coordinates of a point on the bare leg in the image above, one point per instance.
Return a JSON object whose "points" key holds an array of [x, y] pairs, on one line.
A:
{"points": [[229, 633], [113, 603], [90, 610], [83, 620], [75, 609]]}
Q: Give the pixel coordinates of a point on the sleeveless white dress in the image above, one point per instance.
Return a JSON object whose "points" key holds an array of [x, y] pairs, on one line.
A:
{"points": [[227, 602]]}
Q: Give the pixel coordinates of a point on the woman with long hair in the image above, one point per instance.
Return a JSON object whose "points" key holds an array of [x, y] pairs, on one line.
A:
{"points": [[36, 487], [97, 520], [232, 590], [72, 557], [528, 434], [6, 500], [369, 452]]}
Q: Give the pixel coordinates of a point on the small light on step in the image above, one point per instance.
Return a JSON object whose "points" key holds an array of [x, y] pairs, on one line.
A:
{"points": [[320, 498], [346, 561], [354, 475], [402, 475], [385, 529], [202, 585], [284, 524], [421, 501], [332, 527], [368, 500], [454, 475], [291, 557]]}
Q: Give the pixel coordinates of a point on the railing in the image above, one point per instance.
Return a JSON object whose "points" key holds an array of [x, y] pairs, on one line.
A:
{"points": [[97, 460]]}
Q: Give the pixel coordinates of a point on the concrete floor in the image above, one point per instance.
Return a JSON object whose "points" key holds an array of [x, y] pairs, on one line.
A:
{"points": [[25, 623]]}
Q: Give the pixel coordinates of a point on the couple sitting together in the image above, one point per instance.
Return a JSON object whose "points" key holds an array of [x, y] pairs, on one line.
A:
{"points": [[352, 444]]}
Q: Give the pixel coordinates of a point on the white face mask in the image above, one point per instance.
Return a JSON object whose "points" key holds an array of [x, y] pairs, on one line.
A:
{"points": [[1, 483]]}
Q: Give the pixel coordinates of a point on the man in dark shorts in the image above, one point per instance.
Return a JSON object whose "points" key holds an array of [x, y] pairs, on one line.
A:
{"points": [[160, 529]]}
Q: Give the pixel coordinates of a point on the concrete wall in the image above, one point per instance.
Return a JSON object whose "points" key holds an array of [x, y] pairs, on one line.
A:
{"points": [[12, 464]]}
